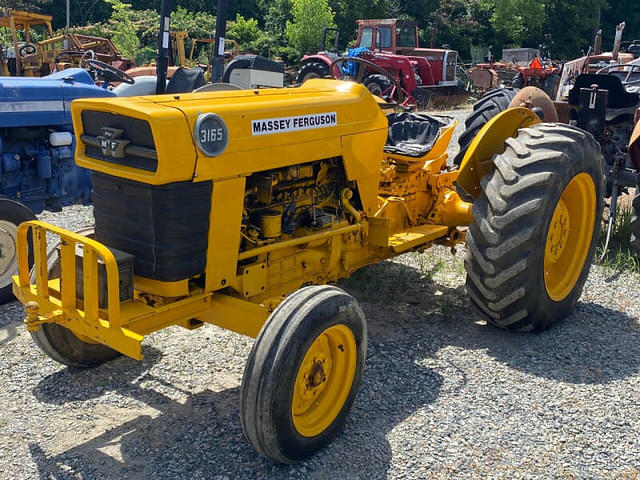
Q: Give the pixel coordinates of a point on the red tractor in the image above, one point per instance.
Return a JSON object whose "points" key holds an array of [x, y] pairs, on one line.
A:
{"points": [[545, 76], [387, 59], [518, 74]]}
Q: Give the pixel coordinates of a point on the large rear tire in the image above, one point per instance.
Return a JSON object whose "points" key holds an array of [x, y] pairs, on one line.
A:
{"points": [[313, 70], [303, 373], [487, 107], [12, 214], [535, 227], [60, 343], [635, 220]]}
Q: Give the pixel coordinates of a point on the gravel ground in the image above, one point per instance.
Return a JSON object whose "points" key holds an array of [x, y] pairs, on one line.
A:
{"points": [[443, 394]]}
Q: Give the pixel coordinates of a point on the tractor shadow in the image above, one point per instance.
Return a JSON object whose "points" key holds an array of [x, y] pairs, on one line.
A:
{"points": [[594, 345], [159, 441]]}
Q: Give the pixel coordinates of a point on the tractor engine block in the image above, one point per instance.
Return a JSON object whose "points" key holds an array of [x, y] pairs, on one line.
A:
{"points": [[279, 202]]}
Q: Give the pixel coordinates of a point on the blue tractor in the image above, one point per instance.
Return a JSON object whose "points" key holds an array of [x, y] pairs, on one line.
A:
{"points": [[37, 169]]}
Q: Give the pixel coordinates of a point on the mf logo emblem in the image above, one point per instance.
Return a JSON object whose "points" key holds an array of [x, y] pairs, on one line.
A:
{"points": [[111, 144]]}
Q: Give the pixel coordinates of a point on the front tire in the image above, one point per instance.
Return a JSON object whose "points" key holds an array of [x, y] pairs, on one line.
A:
{"points": [[377, 85], [60, 343], [535, 227], [303, 373], [12, 214]]}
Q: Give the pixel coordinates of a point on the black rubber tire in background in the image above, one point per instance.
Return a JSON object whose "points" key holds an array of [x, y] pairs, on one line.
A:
{"points": [[270, 373], [60, 343], [507, 237], [518, 80], [313, 69], [15, 213], [487, 107], [377, 84], [550, 85], [635, 220]]}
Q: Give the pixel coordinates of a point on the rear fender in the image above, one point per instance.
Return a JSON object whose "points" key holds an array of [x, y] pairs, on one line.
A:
{"points": [[478, 161], [320, 57]]}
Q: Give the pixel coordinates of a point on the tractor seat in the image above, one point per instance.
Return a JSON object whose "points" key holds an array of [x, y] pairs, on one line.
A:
{"points": [[413, 134], [619, 97], [185, 80]]}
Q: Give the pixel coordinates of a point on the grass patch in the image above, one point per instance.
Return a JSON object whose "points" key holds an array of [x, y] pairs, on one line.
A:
{"points": [[620, 256], [426, 265]]}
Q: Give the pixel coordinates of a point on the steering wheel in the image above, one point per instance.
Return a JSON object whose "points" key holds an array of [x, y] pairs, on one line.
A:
{"points": [[108, 72], [27, 49], [83, 58], [633, 68], [397, 93]]}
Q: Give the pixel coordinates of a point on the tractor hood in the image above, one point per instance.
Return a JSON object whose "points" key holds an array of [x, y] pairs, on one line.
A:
{"points": [[433, 54], [45, 101], [321, 118]]}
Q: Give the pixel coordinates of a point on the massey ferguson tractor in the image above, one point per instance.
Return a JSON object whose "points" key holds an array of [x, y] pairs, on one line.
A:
{"points": [[387, 58], [244, 208]]}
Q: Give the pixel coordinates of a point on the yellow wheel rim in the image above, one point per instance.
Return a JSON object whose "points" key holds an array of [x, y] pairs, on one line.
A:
{"points": [[569, 237], [324, 380]]}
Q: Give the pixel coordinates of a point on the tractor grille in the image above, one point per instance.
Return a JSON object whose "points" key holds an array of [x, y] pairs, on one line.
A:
{"points": [[164, 226], [138, 148]]}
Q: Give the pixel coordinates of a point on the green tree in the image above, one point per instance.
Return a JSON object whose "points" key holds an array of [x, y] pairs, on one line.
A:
{"points": [[309, 18], [461, 24], [571, 26], [244, 31], [275, 20], [348, 11], [249, 36], [124, 31], [519, 21]]}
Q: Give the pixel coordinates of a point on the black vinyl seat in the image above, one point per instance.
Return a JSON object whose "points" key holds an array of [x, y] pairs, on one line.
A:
{"points": [[413, 134], [185, 80]]}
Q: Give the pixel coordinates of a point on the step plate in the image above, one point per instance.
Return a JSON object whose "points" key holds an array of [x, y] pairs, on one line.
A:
{"points": [[403, 241]]}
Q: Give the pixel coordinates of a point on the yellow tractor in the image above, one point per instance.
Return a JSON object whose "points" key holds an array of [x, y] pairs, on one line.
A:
{"points": [[243, 209]]}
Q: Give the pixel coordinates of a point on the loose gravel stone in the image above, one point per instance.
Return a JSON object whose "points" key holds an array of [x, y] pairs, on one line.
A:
{"points": [[443, 394]]}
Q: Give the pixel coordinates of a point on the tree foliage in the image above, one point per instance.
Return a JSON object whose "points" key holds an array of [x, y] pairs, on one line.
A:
{"points": [[517, 20], [289, 28], [309, 18], [124, 31]]}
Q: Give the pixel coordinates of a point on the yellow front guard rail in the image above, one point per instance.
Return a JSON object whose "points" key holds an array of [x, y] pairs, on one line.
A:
{"points": [[56, 298], [122, 325], [65, 291]]}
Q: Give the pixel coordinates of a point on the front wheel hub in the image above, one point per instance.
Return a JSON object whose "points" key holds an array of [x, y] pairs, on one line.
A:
{"points": [[324, 380]]}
